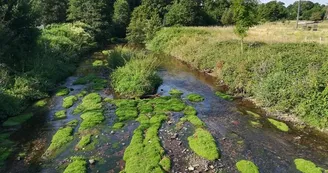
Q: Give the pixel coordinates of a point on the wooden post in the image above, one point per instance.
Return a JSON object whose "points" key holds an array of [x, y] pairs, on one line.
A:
{"points": [[298, 13]]}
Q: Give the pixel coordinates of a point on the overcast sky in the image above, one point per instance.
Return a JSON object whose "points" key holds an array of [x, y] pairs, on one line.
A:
{"points": [[287, 2]]}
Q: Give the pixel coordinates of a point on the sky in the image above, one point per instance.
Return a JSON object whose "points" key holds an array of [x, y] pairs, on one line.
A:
{"points": [[287, 2]]}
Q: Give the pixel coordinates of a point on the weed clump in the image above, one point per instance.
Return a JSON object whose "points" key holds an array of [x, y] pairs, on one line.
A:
{"points": [[203, 144], [82, 94], [60, 114], [17, 120], [195, 98], [255, 124], [190, 115], [69, 101], [91, 119], [89, 102], [118, 125], [253, 114], [165, 163], [224, 96], [79, 165], [72, 123], [176, 93], [279, 125], [245, 166], [85, 140], [62, 92], [145, 108], [126, 109], [306, 166]]}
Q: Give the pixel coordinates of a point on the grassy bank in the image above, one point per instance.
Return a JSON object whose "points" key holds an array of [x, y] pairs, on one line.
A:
{"points": [[289, 77]]}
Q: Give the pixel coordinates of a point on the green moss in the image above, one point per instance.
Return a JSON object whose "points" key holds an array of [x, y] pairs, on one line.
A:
{"points": [[189, 110], [91, 119], [85, 140], [60, 114], [193, 119], [176, 93], [108, 100], [17, 120], [255, 115], [62, 137], [73, 123], [125, 103], [245, 166], [98, 63], [79, 165], [306, 166], [62, 92], [82, 94], [203, 144], [255, 124], [176, 105], [85, 79], [69, 101], [224, 96], [90, 102], [99, 84], [106, 52], [126, 113], [165, 163], [4, 154], [40, 103], [118, 125], [195, 98], [145, 108], [279, 125]]}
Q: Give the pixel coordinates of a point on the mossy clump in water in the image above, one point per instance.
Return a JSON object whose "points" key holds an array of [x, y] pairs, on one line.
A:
{"points": [[176, 93], [82, 94], [190, 115], [79, 165], [144, 107], [279, 125], [69, 101], [118, 125], [126, 109], [195, 98], [165, 164], [203, 144], [176, 105], [306, 166], [73, 123], [62, 137], [40, 103], [60, 114], [106, 52], [91, 119], [245, 166], [255, 124], [17, 120], [99, 84], [85, 140], [4, 154], [90, 102], [98, 63], [224, 96], [62, 92], [253, 114], [85, 79]]}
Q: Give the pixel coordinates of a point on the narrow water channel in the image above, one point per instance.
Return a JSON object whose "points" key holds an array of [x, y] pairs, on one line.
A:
{"points": [[271, 150]]}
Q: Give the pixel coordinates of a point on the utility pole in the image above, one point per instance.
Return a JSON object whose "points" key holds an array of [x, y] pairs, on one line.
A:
{"points": [[298, 13]]}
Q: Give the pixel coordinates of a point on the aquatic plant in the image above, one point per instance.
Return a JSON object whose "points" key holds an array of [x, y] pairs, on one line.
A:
{"points": [[61, 138], [203, 144], [224, 96], [255, 124], [165, 164], [190, 115], [69, 101], [91, 119], [85, 140], [195, 98], [40, 103], [62, 92], [82, 94], [79, 165], [17, 120], [118, 125], [145, 107], [98, 63], [279, 125], [306, 166], [246, 166], [60, 114], [90, 102], [253, 114], [176, 93]]}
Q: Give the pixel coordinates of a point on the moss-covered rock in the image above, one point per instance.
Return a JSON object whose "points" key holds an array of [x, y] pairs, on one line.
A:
{"points": [[17, 120], [306, 166], [60, 114], [195, 98], [62, 92], [85, 140], [279, 125], [165, 164], [61, 139], [203, 144], [245, 166], [69, 101], [224, 96], [176, 93], [79, 165]]}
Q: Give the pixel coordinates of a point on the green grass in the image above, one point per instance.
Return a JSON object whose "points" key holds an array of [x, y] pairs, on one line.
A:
{"points": [[90, 102], [287, 77], [60, 114], [79, 165], [91, 119], [62, 92], [69, 101], [224, 96], [85, 140], [165, 164], [203, 144], [176, 93], [61, 139], [118, 126], [40, 103], [253, 114], [306, 166], [195, 98], [245, 166], [17, 120], [279, 125]]}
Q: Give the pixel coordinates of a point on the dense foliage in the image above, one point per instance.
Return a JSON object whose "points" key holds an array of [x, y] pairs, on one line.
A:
{"points": [[286, 76]]}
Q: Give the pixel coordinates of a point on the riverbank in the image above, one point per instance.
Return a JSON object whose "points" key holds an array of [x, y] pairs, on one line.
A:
{"points": [[284, 77]]}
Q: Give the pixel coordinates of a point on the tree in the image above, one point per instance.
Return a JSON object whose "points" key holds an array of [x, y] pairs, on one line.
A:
{"points": [[182, 12], [244, 13], [121, 17], [273, 11], [53, 11], [316, 16], [227, 17], [214, 10]]}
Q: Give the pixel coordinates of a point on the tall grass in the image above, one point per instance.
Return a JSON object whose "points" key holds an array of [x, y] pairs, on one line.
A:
{"points": [[138, 76], [290, 77]]}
